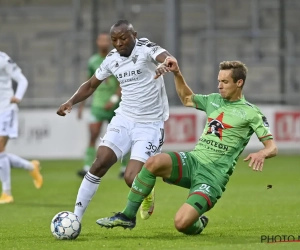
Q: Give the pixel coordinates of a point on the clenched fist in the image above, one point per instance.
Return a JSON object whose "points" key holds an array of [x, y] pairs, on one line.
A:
{"points": [[67, 106]]}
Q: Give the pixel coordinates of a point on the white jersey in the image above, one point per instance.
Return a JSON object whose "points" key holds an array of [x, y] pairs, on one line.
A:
{"points": [[144, 98], [9, 70]]}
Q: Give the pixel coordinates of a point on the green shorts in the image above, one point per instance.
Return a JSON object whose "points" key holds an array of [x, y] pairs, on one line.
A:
{"points": [[189, 173], [100, 114]]}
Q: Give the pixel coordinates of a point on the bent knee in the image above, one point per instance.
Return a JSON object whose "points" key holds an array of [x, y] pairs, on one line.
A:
{"points": [[152, 164], [181, 224]]}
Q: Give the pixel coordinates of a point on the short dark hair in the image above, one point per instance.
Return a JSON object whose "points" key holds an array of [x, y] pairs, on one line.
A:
{"points": [[121, 22], [239, 70]]}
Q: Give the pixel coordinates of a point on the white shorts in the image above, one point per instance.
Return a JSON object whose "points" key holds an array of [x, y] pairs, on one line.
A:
{"points": [[9, 123], [145, 139]]}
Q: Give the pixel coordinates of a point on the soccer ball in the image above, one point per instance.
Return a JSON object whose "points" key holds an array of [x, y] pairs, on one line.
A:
{"points": [[65, 226]]}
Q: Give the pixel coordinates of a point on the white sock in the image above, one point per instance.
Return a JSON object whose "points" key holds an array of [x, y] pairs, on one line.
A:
{"points": [[86, 168], [88, 188], [18, 162], [5, 173]]}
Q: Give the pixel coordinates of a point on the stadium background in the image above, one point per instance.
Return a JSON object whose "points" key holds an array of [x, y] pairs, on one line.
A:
{"points": [[52, 41]]}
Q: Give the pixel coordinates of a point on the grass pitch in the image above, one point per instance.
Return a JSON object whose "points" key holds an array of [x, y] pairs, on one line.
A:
{"points": [[246, 211]]}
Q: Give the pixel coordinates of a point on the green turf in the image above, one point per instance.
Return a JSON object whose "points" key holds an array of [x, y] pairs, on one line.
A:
{"points": [[246, 211]]}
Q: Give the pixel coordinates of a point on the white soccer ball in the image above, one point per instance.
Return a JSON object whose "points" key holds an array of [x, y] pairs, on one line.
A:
{"points": [[65, 226]]}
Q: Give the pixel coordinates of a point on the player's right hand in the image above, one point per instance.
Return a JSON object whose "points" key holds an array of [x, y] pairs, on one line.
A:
{"points": [[14, 100], [172, 64], [67, 106]]}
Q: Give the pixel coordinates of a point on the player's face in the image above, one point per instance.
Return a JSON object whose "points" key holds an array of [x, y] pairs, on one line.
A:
{"points": [[123, 40], [227, 87], [103, 42]]}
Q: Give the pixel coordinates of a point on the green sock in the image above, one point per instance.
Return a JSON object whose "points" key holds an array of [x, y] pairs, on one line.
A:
{"points": [[195, 228], [141, 188], [90, 155]]}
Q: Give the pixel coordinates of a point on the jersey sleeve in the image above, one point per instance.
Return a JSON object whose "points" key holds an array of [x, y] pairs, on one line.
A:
{"points": [[11, 68], [151, 49], [3, 60], [261, 127], [103, 71], [200, 101]]}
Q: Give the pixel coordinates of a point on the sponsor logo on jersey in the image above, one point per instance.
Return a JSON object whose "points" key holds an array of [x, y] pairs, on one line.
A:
{"points": [[128, 73], [154, 50], [216, 126], [215, 144], [265, 121]]}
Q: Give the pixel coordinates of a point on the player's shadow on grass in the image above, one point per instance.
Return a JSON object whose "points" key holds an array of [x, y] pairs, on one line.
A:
{"points": [[206, 237]]}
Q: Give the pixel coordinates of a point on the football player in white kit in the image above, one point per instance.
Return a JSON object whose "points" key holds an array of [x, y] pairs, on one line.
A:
{"points": [[139, 121], [9, 71]]}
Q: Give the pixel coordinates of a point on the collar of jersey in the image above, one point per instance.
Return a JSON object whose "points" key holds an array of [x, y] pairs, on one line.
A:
{"points": [[132, 52], [242, 99]]}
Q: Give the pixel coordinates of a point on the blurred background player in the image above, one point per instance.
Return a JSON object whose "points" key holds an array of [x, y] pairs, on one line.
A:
{"points": [[105, 100], [9, 71]]}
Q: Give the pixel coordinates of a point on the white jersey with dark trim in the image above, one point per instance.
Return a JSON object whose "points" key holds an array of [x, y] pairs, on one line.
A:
{"points": [[8, 70], [144, 98]]}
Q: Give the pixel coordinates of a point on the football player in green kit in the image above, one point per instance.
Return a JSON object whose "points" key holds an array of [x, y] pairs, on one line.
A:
{"points": [[205, 171], [105, 100]]}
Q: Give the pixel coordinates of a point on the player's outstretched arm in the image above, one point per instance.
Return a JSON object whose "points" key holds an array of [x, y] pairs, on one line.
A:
{"points": [[84, 91], [161, 58], [257, 159], [183, 90]]}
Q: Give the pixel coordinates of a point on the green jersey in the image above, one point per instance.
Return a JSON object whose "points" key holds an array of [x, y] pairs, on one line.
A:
{"points": [[227, 132], [107, 88]]}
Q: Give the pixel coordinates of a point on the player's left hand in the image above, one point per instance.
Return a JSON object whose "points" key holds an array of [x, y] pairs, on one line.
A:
{"points": [[14, 100], [109, 105], [256, 160]]}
